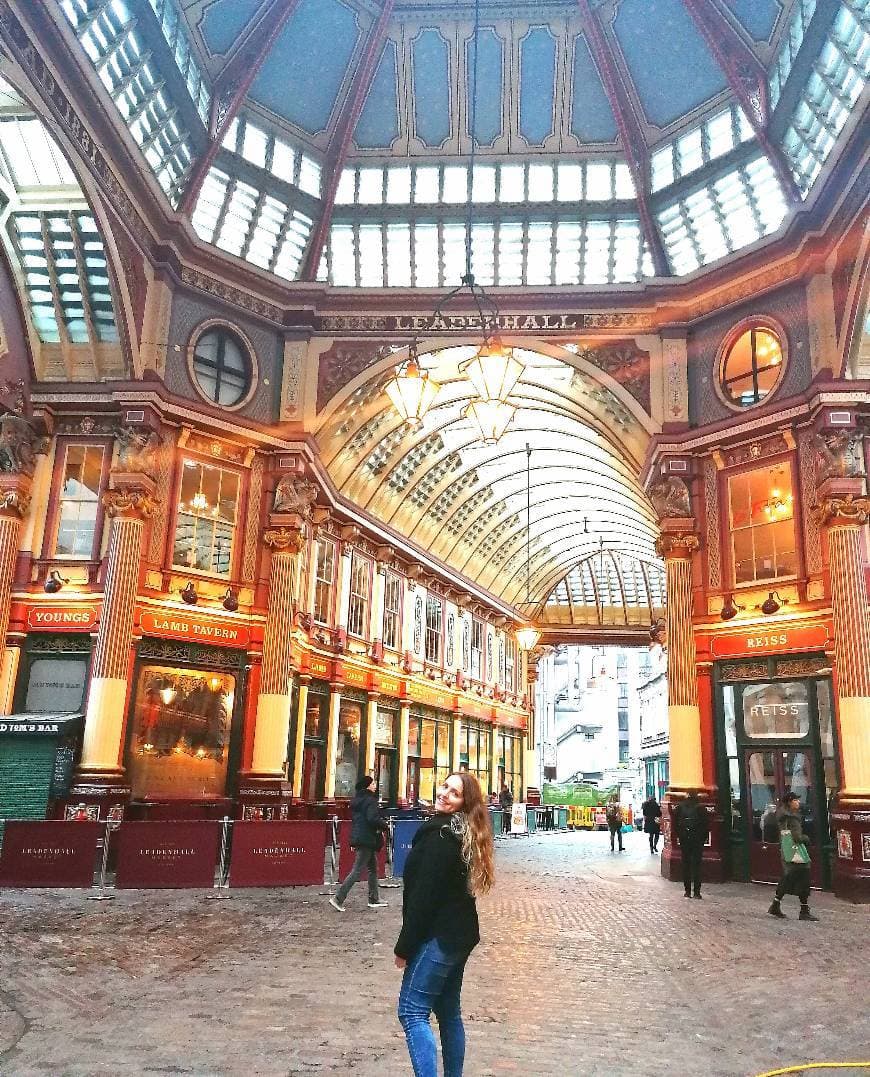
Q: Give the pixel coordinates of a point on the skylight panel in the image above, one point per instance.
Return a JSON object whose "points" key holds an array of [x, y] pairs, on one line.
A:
{"points": [[33, 157], [209, 204], [483, 253], [539, 252], [371, 186], [720, 134], [455, 184], [512, 183], [662, 168], [254, 143], [343, 256], [541, 183], [426, 184], [626, 251], [237, 219], [267, 229], [596, 261], [371, 256], [623, 183], [453, 263], [398, 255], [399, 185], [231, 137], [175, 33], [284, 161], [345, 194], [425, 254], [483, 183], [510, 253], [569, 182], [309, 176], [599, 181], [568, 242]]}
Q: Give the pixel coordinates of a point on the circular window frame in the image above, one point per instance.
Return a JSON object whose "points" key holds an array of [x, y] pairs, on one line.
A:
{"points": [[248, 348], [756, 321]]}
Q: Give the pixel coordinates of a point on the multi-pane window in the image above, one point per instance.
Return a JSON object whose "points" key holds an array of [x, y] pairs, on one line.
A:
{"points": [[788, 50], [434, 616], [79, 500], [360, 595], [477, 630], [172, 25], [221, 367], [697, 147], [751, 367], [763, 539], [207, 517], [324, 579], [392, 611], [510, 664], [275, 155]]}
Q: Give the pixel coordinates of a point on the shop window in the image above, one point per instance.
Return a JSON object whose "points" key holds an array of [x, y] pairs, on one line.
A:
{"points": [[776, 710], [207, 514], [751, 367], [181, 731], [347, 752], [474, 752], [392, 629], [314, 752], [763, 539], [222, 368], [360, 595], [79, 501], [324, 580], [434, 613], [477, 650], [510, 760]]}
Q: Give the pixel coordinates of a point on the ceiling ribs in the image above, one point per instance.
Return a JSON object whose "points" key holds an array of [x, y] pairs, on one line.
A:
{"points": [[630, 134], [748, 81], [231, 88], [339, 143]]}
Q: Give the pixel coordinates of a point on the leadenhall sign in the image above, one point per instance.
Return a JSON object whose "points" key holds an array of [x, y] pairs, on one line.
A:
{"points": [[463, 323], [201, 629]]}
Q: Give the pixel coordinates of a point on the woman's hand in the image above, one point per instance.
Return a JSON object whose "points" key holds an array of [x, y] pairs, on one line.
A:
{"points": [[401, 962]]}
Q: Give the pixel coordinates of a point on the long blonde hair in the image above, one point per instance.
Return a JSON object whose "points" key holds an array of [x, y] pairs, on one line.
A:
{"points": [[475, 830]]}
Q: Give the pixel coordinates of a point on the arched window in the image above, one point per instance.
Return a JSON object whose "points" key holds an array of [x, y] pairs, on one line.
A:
{"points": [[751, 366], [222, 367]]}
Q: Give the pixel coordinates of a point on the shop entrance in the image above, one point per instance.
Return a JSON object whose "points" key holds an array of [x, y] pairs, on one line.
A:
{"points": [[775, 735], [386, 775]]}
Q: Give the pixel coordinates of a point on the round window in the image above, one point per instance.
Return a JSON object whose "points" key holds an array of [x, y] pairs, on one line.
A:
{"points": [[222, 367], [751, 366]]}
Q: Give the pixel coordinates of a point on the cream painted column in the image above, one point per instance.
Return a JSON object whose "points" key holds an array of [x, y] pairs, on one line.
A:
{"points": [[457, 736], [129, 502], [402, 746], [371, 729], [272, 727], [376, 620], [844, 518], [299, 751], [14, 503], [332, 740], [494, 784], [676, 546]]}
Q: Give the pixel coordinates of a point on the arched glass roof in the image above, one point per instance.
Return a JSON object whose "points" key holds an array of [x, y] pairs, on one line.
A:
{"points": [[465, 502], [610, 587], [330, 139]]}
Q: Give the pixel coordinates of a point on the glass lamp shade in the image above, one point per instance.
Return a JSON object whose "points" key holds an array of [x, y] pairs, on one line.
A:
{"points": [[491, 417], [412, 391], [527, 637], [494, 371]]}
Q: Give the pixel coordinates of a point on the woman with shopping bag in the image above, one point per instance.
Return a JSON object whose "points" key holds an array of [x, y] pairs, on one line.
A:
{"points": [[794, 846]]}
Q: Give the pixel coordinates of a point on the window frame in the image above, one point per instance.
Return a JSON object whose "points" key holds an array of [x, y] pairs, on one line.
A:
{"points": [[481, 650], [316, 580], [393, 577], [768, 325], [238, 532], [429, 633], [245, 345], [56, 498], [787, 460], [363, 605]]}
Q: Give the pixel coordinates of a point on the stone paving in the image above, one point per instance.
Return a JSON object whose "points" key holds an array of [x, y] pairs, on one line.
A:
{"points": [[591, 966]]}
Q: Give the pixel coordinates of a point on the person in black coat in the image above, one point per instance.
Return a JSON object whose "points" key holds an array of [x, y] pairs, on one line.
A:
{"points": [[450, 863], [692, 827], [652, 818], [366, 838]]}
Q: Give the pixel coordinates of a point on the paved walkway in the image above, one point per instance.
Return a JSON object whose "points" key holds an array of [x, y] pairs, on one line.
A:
{"points": [[592, 966]]}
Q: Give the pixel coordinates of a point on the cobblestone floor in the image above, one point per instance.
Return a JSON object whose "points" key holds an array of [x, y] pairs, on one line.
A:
{"points": [[592, 965]]}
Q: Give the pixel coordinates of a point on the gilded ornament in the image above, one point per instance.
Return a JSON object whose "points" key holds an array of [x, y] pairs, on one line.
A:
{"points": [[849, 509], [19, 445], [670, 498], [130, 501], [677, 544], [838, 455], [137, 450], [293, 494], [284, 539], [14, 503]]}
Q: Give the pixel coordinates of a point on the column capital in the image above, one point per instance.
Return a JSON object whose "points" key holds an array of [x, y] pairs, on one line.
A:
{"points": [[132, 494], [284, 539], [15, 495], [677, 545], [848, 511]]}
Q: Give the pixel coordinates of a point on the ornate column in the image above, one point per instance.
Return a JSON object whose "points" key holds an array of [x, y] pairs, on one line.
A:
{"points": [[129, 502], [332, 739], [402, 756], [456, 737], [371, 728], [842, 511]]}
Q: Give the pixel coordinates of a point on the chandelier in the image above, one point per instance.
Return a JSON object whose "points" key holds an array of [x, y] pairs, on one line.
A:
{"points": [[494, 370]]}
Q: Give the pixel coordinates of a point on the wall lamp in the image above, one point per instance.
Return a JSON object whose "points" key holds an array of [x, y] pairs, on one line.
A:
{"points": [[773, 603], [730, 608], [230, 600], [188, 594], [54, 582]]}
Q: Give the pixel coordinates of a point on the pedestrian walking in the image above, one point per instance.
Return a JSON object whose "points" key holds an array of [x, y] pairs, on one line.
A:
{"points": [[366, 838], [614, 822], [450, 864], [652, 822], [794, 847], [692, 827]]}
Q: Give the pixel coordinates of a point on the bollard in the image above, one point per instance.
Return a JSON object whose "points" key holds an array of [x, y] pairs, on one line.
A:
{"points": [[100, 894], [390, 882], [222, 892]]}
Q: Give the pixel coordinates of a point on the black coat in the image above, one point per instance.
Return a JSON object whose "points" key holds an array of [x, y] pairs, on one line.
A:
{"points": [[367, 822], [691, 822], [652, 810], [436, 902]]}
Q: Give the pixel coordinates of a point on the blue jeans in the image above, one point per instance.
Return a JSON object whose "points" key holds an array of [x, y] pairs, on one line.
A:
{"points": [[432, 984]]}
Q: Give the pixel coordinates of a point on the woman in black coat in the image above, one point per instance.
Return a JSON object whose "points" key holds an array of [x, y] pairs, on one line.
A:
{"points": [[450, 863], [652, 822]]}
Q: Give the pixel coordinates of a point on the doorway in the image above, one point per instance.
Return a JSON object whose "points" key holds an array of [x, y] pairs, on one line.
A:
{"points": [[770, 774], [386, 775]]}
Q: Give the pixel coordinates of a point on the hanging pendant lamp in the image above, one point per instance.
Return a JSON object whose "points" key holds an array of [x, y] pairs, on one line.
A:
{"points": [[412, 391], [491, 417], [494, 370]]}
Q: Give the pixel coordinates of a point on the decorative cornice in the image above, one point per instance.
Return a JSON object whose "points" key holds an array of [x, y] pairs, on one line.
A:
{"points": [[284, 539], [677, 544], [841, 511], [130, 501]]}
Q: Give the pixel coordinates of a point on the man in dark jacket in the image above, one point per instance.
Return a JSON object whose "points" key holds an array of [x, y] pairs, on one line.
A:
{"points": [[366, 837], [692, 827], [506, 803], [796, 869]]}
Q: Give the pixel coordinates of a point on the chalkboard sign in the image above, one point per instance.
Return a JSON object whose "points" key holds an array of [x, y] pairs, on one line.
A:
{"points": [[61, 775]]}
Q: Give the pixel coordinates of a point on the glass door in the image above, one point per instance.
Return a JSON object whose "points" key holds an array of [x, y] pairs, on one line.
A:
{"points": [[769, 775], [386, 775]]}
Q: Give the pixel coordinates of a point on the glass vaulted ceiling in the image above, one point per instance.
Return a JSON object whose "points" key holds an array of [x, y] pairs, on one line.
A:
{"points": [[555, 201], [465, 502]]}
